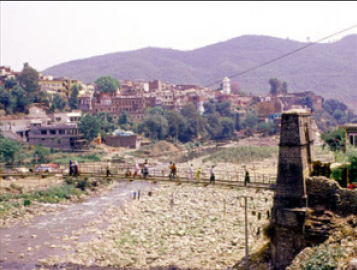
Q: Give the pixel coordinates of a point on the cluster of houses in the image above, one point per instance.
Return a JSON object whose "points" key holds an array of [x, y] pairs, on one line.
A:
{"points": [[60, 130]]}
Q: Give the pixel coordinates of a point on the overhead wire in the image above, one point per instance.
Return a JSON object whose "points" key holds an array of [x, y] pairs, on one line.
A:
{"points": [[284, 55]]}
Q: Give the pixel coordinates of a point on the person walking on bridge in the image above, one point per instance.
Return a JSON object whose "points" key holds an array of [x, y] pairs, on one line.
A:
{"points": [[171, 174], [70, 168], [246, 177], [174, 171], [137, 171], [146, 170], [212, 177], [198, 174], [191, 172]]}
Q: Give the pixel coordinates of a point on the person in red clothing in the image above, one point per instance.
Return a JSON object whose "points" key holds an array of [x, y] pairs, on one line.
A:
{"points": [[351, 186]]}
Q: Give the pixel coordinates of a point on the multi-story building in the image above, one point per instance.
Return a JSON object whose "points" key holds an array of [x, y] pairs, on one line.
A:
{"points": [[64, 136], [57, 85]]}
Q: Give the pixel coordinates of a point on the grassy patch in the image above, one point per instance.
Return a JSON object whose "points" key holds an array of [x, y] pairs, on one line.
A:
{"points": [[243, 154], [80, 158], [50, 195]]}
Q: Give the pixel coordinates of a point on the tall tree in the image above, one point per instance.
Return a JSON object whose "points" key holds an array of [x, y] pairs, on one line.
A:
{"points": [[210, 107], [176, 123], [224, 108], [28, 79], [227, 128], [107, 84], [189, 111], [284, 88], [89, 126], [251, 119], [156, 126], [73, 99], [275, 86], [41, 153], [58, 103], [18, 94], [123, 119], [8, 150]]}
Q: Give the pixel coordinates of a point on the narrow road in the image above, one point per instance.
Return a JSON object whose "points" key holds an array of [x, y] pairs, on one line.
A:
{"points": [[22, 246]]}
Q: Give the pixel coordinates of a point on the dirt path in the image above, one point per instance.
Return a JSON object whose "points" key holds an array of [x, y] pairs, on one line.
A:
{"points": [[22, 246]]}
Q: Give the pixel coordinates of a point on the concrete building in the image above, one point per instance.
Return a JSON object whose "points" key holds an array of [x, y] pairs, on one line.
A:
{"points": [[64, 136], [121, 138]]}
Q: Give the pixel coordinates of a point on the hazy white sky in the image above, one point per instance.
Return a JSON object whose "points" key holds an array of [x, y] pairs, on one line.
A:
{"points": [[49, 33]]}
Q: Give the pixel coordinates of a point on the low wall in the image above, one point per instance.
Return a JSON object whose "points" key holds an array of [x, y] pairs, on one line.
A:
{"points": [[121, 141], [326, 194]]}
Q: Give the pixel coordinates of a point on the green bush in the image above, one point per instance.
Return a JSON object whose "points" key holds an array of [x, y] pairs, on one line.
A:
{"points": [[337, 174], [324, 258]]}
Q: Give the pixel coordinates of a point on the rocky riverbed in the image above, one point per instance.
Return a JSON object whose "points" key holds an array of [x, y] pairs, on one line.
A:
{"points": [[196, 227]]}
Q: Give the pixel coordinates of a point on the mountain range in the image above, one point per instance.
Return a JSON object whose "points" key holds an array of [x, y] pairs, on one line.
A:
{"points": [[328, 69]]}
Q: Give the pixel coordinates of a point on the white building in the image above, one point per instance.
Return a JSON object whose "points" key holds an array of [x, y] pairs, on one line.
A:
{"points": [[226, 85]]}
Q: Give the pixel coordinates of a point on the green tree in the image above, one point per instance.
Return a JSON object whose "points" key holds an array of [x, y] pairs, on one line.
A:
{"points": [[123, 120], [58, 103], [8, 150], [176, 123], [224, 108], [307, 101], [155, 126], [275, 86], [156, 111], [340, 116], [236, 117], [107, 84], [210, 107], [89, 126], [227, 128], [189, 111], [335, 139], [353, 165], [10, 83], [213, 125], [284, 88], [251, 119], [331, 105], [266, 128], [28, 79], [7, 101], [73, 99], [41, 153], [19, 98]]}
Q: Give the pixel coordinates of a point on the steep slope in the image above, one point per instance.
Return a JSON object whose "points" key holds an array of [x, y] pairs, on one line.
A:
{"points": [[328, 68]]}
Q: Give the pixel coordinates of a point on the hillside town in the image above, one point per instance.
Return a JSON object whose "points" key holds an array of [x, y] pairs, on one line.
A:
{"points": [[57, 127]]}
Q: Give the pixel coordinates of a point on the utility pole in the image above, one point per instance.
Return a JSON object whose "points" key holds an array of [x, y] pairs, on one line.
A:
{"points": [[246, 230], [246, 234]]}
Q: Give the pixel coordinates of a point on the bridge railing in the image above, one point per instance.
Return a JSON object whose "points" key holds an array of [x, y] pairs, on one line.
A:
{"points": [[120, 169]]}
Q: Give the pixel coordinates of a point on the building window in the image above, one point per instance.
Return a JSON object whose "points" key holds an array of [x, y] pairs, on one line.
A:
{"points": [[62, 131], [43, 132], [52, 132]]}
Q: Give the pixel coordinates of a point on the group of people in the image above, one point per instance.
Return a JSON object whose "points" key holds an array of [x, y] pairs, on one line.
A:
{"points": [[139, 171], [212, 177], [73, 168]]}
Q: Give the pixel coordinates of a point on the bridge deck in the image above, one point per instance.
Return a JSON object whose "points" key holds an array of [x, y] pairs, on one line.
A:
{"points": [[155, 178]]}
